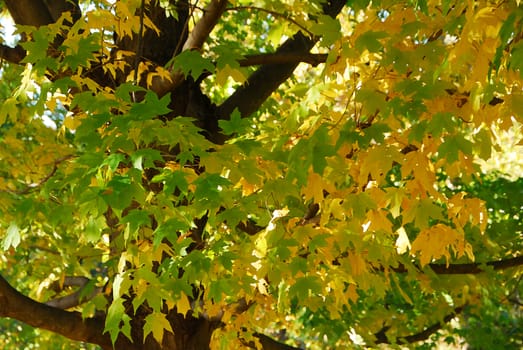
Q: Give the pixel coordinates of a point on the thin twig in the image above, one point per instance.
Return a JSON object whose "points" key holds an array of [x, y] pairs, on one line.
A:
{"points": [[274, 13], [31, 187]]}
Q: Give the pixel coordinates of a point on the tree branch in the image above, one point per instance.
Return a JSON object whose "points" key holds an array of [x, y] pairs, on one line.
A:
{"points": [[33, 186], [40, 12], [69, 324], [12, 54], [472, 268], [285, 58], [205, 25], [381, 337], [76, 298], [270, 344], [29, 12], [195, 41], [260, 85]]}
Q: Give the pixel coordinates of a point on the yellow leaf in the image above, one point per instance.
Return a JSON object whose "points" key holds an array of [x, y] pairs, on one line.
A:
{"points": [[357, 264], [377, 162], [227, 71], [378, 221], [436, 242], [183, 305], [315, 186], [352, 293], [156, 323], [402, 242]]}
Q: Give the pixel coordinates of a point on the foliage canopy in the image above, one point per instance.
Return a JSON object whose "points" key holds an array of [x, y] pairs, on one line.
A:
{"points": [[264, 174]]}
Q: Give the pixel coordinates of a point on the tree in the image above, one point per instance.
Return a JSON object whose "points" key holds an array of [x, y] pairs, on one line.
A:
{"points": [[257, 174]]}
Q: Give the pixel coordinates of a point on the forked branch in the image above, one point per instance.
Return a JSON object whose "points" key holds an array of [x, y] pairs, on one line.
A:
{"points": [[262, 83]]}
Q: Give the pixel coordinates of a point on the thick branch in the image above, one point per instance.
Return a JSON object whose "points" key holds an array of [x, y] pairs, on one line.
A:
{"points": [[472, 268], [29, 12], [195, 41], [12, 54], [69, 324], [205, 25], [381, 337], [41, 12], [270, 344], [260, 85]]}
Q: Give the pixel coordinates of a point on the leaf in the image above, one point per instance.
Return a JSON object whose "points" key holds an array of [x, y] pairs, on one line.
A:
{"points": [[436, 241], [146, 157], [222, 74], [328, 28], [377, 162], [149, 108], [191, 62], [483, 144], [451, 147], [183, 306], [304, 287], [136, 218], [235, 125], [83, 49], [402, 242], [170, 229], [422, 213], [117, 320], [315, 187], [9, 110], [12, 237], [120, 192], [93, 229], [371, 41]]}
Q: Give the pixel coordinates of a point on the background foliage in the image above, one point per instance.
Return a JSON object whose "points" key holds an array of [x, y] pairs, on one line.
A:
{"points": [[347, 207]]}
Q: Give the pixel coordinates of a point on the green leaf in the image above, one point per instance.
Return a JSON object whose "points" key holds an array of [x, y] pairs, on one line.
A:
{"points": [[483, 144], [505, 32], [120, 192], [191, 62], [149, 108], [37, 47], [117, 320], [136, 218], [423, 213], [146, 157], [12, 237], [328, 28], [9, 110], [83, 51], [171, 229], [321, 149], [305, 286], [236, 124], [209, 188], [113, 161], [126, 91], [93, 229], [371, 41], [451, 147], [441, 122]]}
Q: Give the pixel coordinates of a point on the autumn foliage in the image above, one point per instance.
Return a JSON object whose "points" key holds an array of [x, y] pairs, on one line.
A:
{"points": [[258, 174]]}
